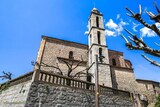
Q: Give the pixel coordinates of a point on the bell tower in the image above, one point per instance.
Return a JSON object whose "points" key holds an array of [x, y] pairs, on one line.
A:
{"points": [[97, 46]]}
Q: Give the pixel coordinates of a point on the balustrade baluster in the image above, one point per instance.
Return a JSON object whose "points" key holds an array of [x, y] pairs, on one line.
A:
{"points": [[84, 85], [80, 84], [64, 81], [56, 80], [53, 79], [45, 77], [40, 76], [60, 80], [73, 83], [76, 84], [49, 78]]}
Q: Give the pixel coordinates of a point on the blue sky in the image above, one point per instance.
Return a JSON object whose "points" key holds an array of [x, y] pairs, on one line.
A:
{"points": [[23, 22]]}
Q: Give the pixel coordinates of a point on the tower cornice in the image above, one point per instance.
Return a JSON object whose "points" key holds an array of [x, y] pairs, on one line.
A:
{"points": [[100, 14], [94, 44], [94, 27]]}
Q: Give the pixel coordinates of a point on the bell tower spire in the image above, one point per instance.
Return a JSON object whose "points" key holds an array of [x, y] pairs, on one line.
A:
{"points": [[97, 46]]}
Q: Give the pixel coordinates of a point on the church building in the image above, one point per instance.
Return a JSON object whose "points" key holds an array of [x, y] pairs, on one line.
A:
{"points": [[65, 73], [70, 59]]}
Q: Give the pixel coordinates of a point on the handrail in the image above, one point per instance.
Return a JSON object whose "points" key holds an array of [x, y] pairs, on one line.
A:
{"points": [[66, 81], [75, 83]]}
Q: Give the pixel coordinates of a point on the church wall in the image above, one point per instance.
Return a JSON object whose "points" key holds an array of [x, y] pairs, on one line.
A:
{"points": [[115, 55], [56, 49], [128, 64], [51, 95], [120, 61], [105, 75], [15, 96], [148, 89], [104, 68], [93, 20], [124, 79], [94, 39]]}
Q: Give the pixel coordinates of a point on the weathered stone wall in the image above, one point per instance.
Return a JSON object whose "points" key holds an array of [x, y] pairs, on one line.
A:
{"points": [[120, 61], [149, 93], [47, 95], [15, 96], [56, 49], [124, 79], [148, 89], [104, 75]]}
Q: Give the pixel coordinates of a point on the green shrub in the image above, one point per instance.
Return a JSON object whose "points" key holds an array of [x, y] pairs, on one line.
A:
{"points": [[157, 101]]}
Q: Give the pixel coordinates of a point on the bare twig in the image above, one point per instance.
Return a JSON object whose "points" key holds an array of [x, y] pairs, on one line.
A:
{"points": [[6, 75], [82, 71], [137, 16], [140, 45], [46, 65], [157, 44], [69, 64], [151, 61]]}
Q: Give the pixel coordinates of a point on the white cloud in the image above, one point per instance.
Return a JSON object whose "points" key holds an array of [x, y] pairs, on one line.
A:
{"points": [[86, 32], [147, 32], [122, 23], [113, 28], [87, 26], [110, 33], [111, 25], [118, 16], [135, 26], [158, 25]]}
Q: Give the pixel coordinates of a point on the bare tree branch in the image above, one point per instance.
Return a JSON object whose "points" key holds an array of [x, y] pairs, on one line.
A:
{"points": [[59, 69], [140, 45], [6, 75], [69, 64], [151, 61], [82, 71], [46, 65], [78, 64], [137, 16], [157, 44], [154, 17]]}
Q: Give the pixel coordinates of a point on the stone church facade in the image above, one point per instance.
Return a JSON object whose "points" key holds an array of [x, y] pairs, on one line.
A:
{"points": [[64, 75], [114, 70]]}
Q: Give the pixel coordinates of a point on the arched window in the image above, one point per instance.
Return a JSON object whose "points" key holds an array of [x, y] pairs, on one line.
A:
{"points": [[89, 79], [113, 62], [100, 51], [90, 39], [97, 21], [99, 37], [100, 55], [71, 55], [91, 56]]}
